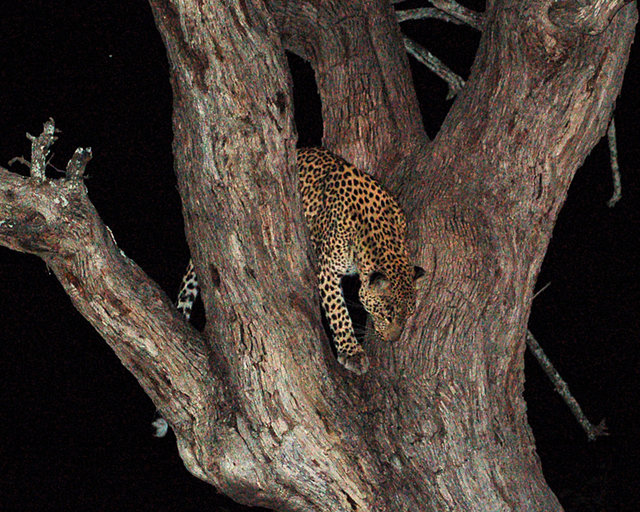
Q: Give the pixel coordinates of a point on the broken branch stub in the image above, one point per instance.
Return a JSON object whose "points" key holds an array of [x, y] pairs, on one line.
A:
{"points": [[40, 147]]}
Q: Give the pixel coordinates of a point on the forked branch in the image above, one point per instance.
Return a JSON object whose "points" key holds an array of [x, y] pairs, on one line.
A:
{"points": [[55, 220]]}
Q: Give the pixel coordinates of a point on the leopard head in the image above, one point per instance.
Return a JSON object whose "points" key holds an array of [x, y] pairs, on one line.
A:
{"points": [[389, 301]]}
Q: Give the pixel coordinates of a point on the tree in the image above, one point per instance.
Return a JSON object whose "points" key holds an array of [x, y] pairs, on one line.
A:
{"points": [[258, 405]]}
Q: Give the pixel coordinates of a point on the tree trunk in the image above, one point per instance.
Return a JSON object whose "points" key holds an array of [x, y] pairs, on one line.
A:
{"points": [[259, 406]]}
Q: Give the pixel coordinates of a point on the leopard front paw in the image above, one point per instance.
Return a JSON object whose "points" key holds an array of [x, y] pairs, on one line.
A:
{"points": [[357, 363]]}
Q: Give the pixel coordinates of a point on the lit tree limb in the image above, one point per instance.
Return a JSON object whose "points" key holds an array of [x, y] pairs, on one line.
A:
{"points": [[366, 109], [592, 431], [615, 166], [40, 147], [55, 220], [424, 56], [424, 13], [472, 18], [447, 10]]}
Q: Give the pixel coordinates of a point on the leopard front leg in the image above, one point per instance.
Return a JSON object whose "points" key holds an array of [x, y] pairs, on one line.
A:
{"points": [[350, 352]]}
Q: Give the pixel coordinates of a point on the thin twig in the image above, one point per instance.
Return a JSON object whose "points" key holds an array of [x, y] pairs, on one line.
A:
{"points": [[615, 167], [541, 290], [424, 13], [472, 18], [455, 82], [592, 431], [21, 160]]}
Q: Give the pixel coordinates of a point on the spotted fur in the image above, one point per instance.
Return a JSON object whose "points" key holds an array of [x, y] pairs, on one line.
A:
{"points": [[188, 292], [186, 299], [356, 227]]}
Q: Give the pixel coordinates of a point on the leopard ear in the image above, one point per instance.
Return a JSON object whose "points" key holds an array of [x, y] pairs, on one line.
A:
{"points": [[418, 272], [378, 280]]}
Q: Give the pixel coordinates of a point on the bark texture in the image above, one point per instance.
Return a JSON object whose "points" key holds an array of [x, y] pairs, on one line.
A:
{"points": [[260, 408]]}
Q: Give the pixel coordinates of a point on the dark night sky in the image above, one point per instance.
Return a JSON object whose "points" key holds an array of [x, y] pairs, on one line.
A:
{"points": [[76, 424]]}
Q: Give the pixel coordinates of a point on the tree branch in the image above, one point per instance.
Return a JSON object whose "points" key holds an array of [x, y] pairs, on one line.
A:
{"points": [[40, 147], [526, 118], [454, 81], [592, 431], [426, 13], [615, 166], [78, 163], [446, 10], [285, 439], [588, 17], [484, 205], [55, 220], [369, 107]]}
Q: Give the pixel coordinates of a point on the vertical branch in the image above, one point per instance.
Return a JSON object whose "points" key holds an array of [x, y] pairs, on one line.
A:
{"points": [[369, 106], [234, 145], [40, 147], [78, 163], [615, 167]]}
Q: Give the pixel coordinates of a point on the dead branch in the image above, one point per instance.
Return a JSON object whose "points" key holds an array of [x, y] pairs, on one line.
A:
{"points": [[426, 13], [615, 166], [78, 163], [446, 10], [592, 431], [55, 220], [424, 56], [363, 127], [40, 147]]}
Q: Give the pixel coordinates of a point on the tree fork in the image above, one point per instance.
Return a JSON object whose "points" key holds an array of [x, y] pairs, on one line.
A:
{"points": [[234, 151], [260, 407], [369, 106], [55, 220]]}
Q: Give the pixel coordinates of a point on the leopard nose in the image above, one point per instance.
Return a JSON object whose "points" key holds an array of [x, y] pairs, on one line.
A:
{"points": [[392, 333]]}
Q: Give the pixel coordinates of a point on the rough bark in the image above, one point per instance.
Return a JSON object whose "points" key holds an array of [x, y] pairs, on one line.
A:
{"points": [[260, 408], [55, 220]]}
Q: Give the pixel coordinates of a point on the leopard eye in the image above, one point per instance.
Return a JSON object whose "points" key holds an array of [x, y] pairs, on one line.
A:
{"points": [[391, 313]]}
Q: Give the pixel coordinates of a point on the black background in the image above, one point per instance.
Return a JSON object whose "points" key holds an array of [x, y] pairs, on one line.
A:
{"points": [[76, 426]]}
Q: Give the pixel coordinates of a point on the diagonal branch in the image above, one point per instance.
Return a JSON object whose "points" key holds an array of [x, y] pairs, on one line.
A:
{"points": [[592, 431], [446, 10], [454, 81], [615, 166], [590, 17], [55, 220]]}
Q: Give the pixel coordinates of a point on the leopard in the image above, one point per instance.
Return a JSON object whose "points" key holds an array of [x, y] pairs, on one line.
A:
{"points": [[356, 227]]}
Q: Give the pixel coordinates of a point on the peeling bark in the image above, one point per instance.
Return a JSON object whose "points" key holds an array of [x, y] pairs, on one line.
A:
{"points": [[260, 408]]}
